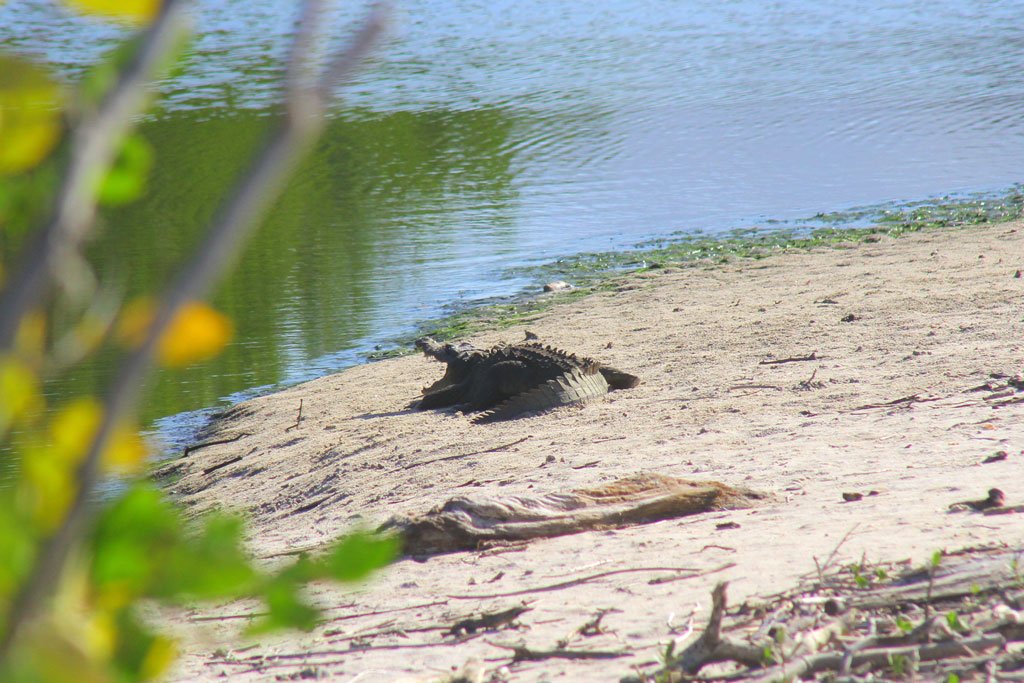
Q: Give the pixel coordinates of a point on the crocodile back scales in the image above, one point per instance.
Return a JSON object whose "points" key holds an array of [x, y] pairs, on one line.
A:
{"points": [[571, 387]]}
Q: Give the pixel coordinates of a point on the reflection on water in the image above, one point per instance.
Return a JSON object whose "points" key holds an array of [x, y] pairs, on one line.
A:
{"points": [[489, 135]]}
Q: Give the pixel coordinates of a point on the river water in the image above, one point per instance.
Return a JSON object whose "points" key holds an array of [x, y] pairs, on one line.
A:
{"points": [[485, 136]]}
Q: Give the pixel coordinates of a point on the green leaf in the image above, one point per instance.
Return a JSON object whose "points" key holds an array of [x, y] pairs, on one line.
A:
{"points": [[126, 180], [936, 558], [17, 548], [134, 641], [214, 563], [358, 554], [135, 537], [953, 619], [904, 624], [898, 664], [286, 609]]}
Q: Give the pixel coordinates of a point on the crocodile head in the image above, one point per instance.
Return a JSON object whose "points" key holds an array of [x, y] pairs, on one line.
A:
{"points": [[460, 358]]}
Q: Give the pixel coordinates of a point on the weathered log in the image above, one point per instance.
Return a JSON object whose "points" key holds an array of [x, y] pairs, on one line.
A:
{"points": [[466, 522]]}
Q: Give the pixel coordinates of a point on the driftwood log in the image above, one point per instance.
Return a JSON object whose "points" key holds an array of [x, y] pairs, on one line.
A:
{"points": [[466, 522]]}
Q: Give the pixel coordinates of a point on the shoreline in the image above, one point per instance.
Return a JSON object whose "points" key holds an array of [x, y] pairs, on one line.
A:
{"points": [[895, 335], [589, 273]]}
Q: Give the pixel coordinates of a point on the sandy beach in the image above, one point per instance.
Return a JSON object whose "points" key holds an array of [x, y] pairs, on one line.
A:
{"points": [[883, 368]]}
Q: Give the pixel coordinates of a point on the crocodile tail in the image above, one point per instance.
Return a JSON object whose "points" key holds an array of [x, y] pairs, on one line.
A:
{"points": [[617, 379], [572, 387]]}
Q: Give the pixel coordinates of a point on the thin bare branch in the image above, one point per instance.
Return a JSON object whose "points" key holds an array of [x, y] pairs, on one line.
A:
{"points": [[345, 62], [300, 60]]}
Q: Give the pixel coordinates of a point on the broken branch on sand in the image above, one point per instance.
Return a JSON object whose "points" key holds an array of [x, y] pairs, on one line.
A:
{"points": [[884, 656], [215, 442], [793, 642], [525, 654], [460, 455], [298, 418], [592, 577], [795, 359], [906, 400]]}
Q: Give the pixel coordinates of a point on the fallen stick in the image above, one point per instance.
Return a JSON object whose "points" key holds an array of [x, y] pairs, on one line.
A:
{"points": [[521, 653], [298, 418], [879, 657], [828, 561], [586, 579], [312, 505], [710, 647], [460, 455], [913, 398], [196, 447], [795, 359], [229, 461]]}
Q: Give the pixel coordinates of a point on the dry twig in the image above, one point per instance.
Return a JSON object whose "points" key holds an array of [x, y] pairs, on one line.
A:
{"points": [[459, 455], [525, 654], [591, 577], [215, 442], [795, 359], [298, 419]]}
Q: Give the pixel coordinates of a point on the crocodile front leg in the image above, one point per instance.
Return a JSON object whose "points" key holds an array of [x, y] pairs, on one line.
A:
{"points": [[442, 398]]}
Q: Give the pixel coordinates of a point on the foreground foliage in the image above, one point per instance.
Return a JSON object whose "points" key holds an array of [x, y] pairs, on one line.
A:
{"points": [[80, 570]]}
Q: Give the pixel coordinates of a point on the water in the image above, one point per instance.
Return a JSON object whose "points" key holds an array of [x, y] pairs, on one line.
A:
{"points": [[484, 136]]}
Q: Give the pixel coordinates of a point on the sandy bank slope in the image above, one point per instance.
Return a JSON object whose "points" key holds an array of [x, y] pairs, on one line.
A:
{"points": [[902, 331]]}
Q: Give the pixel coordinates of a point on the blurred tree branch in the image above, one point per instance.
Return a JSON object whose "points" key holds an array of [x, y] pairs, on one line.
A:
{"points": [[307, 103]]}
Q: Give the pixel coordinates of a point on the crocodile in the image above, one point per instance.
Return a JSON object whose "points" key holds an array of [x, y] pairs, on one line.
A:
{"points": [[509, 380]]}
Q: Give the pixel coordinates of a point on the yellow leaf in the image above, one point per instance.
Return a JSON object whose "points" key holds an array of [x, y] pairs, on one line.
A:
{"points": [[19, 391], [134, 320], [161, 654], [74, 428], [126, 452], [99, 634], [71, 641], [197, 332], [29, 114], [134, 11], [47, 488], [52, 656]]}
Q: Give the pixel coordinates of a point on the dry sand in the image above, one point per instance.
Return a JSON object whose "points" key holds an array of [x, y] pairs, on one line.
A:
{"points": [[903, 331]]}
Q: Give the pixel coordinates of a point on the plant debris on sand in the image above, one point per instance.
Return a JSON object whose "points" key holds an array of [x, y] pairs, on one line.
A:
{"points": [[959, 618]]}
